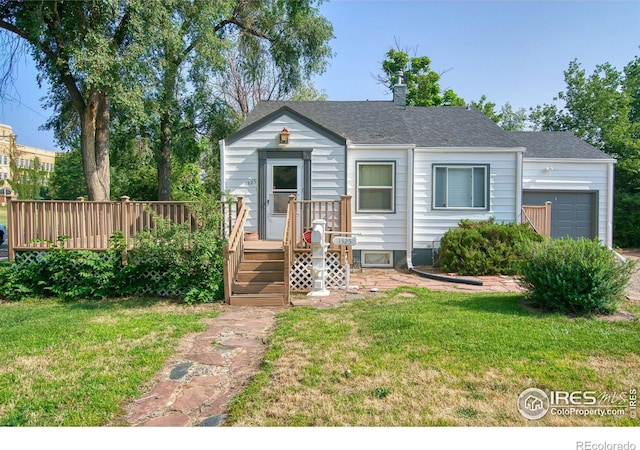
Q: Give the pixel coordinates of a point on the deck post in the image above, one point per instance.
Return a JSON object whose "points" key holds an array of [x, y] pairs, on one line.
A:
{"points": [[294, 221], [12, 232], [124, 218], [345, 226], [547, 219]]}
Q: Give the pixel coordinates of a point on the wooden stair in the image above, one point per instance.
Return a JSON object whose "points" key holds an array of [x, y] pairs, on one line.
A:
{"points": [[260, 278]]}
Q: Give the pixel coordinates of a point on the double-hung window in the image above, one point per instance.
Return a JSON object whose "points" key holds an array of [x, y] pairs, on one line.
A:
{"points": [[460, 186], [376, 186]]}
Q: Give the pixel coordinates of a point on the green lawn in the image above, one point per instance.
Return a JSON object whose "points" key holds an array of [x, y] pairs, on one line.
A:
{"points": [[3, 215], [424, 358], [79, 363], [411, 358]]}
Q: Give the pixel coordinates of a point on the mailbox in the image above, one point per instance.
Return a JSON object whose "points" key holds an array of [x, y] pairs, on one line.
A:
{"points": [[318, 253]]}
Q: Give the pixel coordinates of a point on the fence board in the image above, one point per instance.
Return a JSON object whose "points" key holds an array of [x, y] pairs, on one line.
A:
{"points": [[89, 225]]}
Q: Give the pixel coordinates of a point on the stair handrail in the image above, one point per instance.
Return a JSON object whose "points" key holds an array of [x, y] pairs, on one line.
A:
{"points": [[233, 251], [287, 244]]}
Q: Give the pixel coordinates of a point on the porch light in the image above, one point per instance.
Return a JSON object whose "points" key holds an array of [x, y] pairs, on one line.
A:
{"points": [[284, 137]]}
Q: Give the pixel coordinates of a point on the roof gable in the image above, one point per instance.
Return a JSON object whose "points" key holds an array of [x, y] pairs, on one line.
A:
{"points": [[250, 126]]}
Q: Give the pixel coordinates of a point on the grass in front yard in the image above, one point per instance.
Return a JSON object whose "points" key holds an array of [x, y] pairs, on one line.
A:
{"points": [[77, 364], [423, 358], [3, 215]]}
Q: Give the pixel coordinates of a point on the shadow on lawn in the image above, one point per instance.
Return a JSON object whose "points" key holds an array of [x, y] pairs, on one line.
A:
{"points": [[123, 303], [508, 304]]}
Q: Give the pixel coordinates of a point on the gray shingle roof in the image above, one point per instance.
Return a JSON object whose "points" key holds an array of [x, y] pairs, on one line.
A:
{"points": [[381, 122], [556, 144]]}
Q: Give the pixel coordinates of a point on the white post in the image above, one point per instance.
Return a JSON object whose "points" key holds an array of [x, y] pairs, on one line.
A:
{"points": [[318, 252]]}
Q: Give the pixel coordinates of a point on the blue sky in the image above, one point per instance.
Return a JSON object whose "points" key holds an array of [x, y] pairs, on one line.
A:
{"points": [[510, 51]]}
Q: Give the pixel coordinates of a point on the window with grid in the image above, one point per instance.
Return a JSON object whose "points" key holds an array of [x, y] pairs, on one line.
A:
{"points": [[460, 187], [375, 186]]}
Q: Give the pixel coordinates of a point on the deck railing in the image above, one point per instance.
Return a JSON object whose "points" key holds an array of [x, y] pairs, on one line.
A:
{"points": [[233, 250], [539, 217], [302, 213], [89, 225], [288, 244]]}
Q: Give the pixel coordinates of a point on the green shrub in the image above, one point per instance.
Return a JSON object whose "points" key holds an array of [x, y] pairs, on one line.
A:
{"points": [[484, 248], [626, 216], [67, 274], [187, 262], [574, 276]]}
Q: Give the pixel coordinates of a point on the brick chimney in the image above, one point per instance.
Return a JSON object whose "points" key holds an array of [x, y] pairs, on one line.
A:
{"points": [[400, 92]]}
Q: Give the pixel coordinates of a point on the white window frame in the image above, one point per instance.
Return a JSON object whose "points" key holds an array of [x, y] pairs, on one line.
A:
{"points": [[470, 167], [392, 188], [364, 253]]}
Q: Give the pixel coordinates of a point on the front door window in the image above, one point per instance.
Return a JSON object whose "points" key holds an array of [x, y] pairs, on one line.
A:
{"points": [[285, 183]]}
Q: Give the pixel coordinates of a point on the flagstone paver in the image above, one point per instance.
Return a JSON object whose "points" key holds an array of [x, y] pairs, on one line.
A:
{"points": [[213, 366]]}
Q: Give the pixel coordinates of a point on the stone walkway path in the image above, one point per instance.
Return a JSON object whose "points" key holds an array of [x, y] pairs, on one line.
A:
{"points": [[211, 367]]}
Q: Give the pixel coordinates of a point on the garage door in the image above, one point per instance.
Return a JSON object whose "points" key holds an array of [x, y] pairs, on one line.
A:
{"points": [[572, 213]]}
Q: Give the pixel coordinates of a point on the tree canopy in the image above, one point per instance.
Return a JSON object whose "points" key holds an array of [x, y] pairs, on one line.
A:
{"points": [[423, 83], [148, 63], [81, 49], [507, 118]]}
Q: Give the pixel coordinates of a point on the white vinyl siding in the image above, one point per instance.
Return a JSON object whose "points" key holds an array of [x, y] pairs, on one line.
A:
{"points": [[431, 222], [241, 163], [576, 176], [380, 230], [376, 187], [460, 187]]}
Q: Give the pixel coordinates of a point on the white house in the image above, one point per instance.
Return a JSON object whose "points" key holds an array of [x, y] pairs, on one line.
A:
{"points": [[413, 172]]}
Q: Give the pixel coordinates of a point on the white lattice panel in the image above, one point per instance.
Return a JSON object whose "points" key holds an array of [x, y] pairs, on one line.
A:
{"points": [[153, 277], [300, 274]]}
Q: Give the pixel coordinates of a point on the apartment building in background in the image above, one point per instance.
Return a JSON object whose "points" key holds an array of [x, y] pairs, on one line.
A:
{"points": [[24, 157]]}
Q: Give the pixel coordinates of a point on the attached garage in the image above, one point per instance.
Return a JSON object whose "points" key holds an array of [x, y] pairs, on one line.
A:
{"points": [[573, 214], [575, 177]]}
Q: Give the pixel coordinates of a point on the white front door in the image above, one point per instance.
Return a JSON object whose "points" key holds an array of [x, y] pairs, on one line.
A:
{"points": [[284, 178]]}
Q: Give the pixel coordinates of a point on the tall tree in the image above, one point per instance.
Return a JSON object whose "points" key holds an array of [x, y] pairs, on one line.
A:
{"points": [[149, 60], [193, 46], [423, 83], [80, 48], [251, 75]]}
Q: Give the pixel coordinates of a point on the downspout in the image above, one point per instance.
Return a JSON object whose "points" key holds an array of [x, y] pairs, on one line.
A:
{"points": [[519, 169], [221, 144], [609, 224], [410, 206]]}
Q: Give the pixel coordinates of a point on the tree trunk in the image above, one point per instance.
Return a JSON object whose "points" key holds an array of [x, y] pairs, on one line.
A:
{"points": [[163, 160], [168, 109], [94, 143]]}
